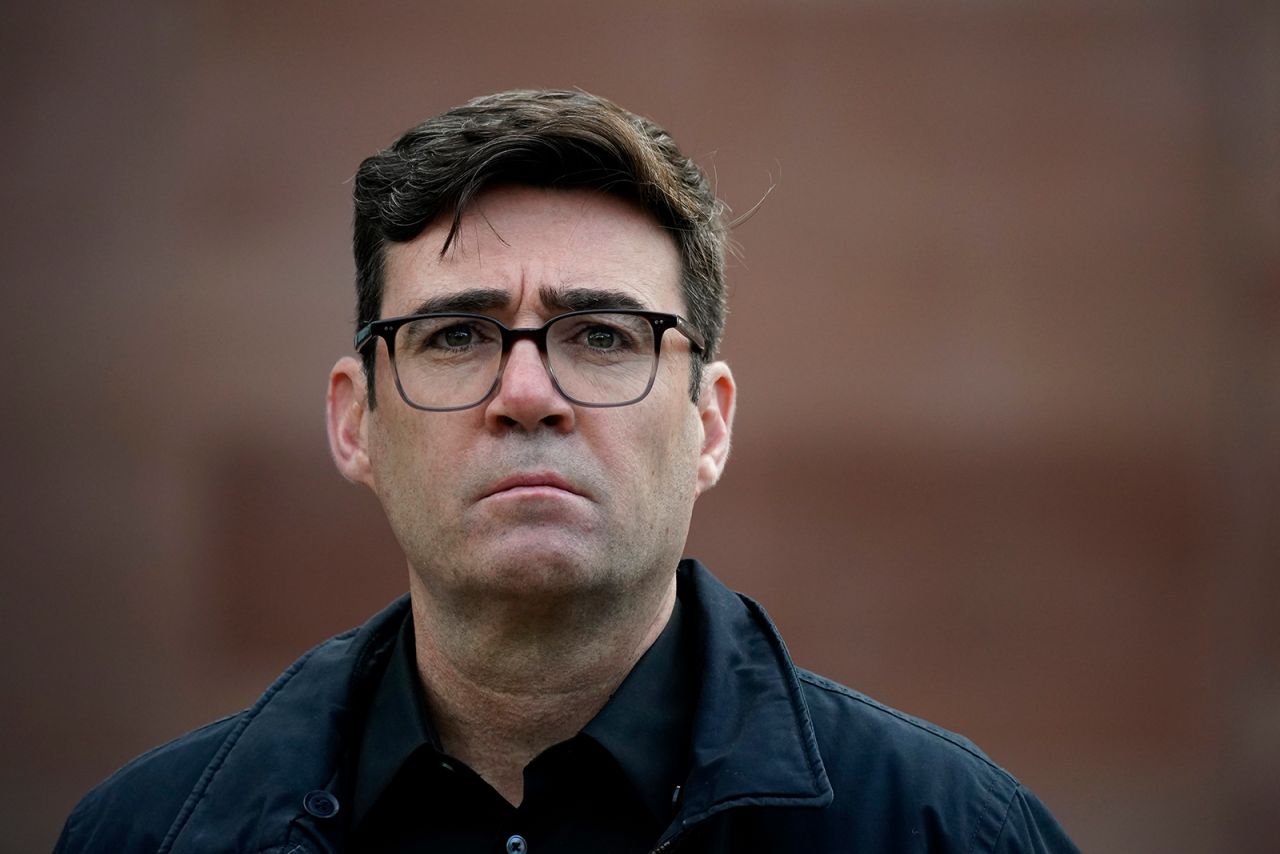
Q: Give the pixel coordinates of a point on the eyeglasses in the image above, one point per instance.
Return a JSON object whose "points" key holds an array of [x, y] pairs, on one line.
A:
{"points": [[447, 362]]}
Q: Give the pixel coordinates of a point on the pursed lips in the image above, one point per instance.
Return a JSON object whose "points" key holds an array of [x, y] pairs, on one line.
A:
{"points": [[532, 480]]}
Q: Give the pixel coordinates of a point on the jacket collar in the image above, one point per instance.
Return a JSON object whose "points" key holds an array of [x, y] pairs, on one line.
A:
{"points": [[753, 739], [289, 745]]}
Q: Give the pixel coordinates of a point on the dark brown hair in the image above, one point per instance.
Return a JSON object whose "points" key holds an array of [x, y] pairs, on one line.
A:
{"points": [[563, 139]]}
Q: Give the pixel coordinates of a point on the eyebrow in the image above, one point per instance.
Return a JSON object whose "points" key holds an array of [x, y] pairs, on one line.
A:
{"points": [[473, 300], [587, 299], [478, 300]]}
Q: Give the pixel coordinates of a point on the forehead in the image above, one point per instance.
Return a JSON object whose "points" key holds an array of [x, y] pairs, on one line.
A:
{"points": [[530, 241]]}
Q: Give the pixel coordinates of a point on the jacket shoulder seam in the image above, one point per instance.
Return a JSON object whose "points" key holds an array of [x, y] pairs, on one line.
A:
{"points": [[1004, 821], [962, 744], [87, 804], [175, 742]]}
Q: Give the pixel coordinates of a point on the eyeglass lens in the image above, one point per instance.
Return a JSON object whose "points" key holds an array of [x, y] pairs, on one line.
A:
{"points": [[446, 362]]}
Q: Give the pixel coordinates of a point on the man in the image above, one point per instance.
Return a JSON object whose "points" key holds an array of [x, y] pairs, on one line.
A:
{"points": [[537, 407]]}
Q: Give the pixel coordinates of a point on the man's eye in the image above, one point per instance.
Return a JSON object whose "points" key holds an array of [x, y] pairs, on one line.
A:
{"points": [[456, 336], [602, 338]]}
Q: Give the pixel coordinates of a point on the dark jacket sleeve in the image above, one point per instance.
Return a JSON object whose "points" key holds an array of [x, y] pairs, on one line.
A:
{"points": [[1029, 828]]}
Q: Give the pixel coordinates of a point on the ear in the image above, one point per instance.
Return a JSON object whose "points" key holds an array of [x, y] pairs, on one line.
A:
{"points": [[715, 405], [347, 405]]}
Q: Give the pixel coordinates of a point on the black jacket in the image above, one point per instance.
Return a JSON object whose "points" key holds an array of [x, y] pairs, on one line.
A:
{"points": [[783, 760]]}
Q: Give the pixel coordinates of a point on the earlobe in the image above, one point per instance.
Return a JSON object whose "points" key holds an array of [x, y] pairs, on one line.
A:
{"points": [[716, 406], [346, 410]]}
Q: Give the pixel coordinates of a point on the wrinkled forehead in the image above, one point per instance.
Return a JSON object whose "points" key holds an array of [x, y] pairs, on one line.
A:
{"points": [[546, 249]]}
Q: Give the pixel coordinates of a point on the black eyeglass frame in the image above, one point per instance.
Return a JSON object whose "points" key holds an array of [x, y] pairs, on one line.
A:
{"points": [[661, 321]]}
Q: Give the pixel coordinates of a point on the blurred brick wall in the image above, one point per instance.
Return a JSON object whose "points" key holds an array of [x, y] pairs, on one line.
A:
{"points": [[1005, 331]]}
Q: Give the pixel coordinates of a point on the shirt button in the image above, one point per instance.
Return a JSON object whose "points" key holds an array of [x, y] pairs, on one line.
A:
{"points": [[320, 804], [517, 845]]}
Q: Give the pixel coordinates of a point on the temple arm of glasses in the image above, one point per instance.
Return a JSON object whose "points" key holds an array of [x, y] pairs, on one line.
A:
{"points": [[688, 331]]}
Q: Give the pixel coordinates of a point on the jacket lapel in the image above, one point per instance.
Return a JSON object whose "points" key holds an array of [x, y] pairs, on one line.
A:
{"points": [[753, 740]]}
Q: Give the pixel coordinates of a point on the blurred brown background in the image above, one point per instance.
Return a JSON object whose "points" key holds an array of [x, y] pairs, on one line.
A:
{"points": [[1006, 334]]}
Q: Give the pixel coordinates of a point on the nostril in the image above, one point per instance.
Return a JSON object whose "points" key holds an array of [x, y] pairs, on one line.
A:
{"points": [[554, 419]]}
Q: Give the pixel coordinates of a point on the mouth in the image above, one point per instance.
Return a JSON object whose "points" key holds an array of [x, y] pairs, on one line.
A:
{"points": [[532, 482]]}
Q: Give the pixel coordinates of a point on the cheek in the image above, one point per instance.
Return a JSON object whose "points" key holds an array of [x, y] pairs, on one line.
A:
{"points": [[666, 459], [405, 462]]}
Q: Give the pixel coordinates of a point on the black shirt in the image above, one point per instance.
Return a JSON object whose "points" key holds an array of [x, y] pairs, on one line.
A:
{"points": [[613, 787]]}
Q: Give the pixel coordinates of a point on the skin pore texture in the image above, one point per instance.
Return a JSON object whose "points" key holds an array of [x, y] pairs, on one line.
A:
{"points": [[541, 536]]}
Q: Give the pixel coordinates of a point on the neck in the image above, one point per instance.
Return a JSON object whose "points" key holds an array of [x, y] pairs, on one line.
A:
{"points": [[507, 680]]}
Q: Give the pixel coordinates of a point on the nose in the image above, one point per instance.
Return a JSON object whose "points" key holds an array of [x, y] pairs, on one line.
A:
{"points": [[526, 398]]}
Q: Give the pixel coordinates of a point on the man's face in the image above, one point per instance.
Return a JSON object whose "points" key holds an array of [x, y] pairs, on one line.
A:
{"points": [[526, 493]]}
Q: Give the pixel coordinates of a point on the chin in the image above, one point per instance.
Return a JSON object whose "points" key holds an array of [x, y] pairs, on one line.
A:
{"points": [[540, 568]]}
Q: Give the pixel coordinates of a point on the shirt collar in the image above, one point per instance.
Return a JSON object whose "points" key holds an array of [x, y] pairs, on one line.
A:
{"points": [[396, 727], [646, 724]]}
